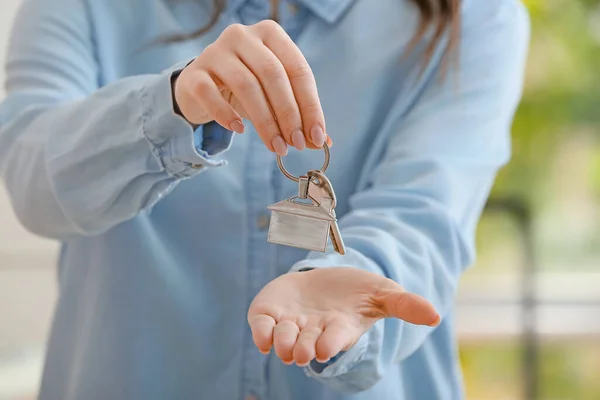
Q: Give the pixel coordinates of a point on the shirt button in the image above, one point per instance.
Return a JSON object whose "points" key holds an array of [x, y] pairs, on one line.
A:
{"points": [[262, 222], [292, 8], [251, 397]]}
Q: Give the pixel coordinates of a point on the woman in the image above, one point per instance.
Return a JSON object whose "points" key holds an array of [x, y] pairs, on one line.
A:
{"points": [[116, 139]]}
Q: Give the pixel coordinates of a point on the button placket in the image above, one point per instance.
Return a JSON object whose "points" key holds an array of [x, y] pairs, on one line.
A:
{"points": [[259, 192]]}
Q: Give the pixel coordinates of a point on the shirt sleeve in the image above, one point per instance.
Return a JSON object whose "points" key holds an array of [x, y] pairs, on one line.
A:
{"points": [[414, 219], [78, 159]]}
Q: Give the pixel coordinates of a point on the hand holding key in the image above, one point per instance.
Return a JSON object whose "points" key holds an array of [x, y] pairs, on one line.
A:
{"points": [[255, 72], [317, 314]]}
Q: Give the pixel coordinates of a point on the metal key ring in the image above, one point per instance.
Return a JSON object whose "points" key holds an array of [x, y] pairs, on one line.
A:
{"points": [[295, 178]]}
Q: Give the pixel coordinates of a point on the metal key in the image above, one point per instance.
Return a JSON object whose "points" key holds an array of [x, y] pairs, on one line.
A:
{"points": [[320, 190], [308, 219]]}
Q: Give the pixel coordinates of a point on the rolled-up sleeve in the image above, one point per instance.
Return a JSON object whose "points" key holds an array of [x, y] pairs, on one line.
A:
{"points": [[179, 148], [77, 158]]}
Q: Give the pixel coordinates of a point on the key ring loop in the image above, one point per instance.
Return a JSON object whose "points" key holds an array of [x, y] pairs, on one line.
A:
{"points": [[295, 178]]}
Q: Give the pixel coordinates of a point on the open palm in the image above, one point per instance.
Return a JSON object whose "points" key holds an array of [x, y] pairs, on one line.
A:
{"points": [[316, 314]]}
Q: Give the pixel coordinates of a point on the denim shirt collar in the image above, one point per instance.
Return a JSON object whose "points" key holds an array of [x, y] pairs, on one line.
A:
{"points": [[328, 10]]}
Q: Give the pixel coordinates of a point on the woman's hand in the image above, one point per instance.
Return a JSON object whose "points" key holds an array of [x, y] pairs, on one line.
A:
{"points": [[255, 72], [317, 314]]}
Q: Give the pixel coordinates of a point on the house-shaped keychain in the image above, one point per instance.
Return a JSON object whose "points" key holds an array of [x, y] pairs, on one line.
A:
{"points": [[297, 224]]}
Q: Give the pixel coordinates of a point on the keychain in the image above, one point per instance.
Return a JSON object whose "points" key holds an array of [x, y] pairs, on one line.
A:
{"points": [[307, 220]]}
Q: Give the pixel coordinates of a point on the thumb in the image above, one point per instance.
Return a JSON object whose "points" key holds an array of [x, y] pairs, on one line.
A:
{"points": [[411, 308]]}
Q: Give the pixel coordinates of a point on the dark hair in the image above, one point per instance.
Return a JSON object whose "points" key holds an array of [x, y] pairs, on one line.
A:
{"points": [[441, 15]]}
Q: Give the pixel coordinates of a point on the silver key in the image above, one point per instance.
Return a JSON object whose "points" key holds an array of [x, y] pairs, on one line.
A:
{"points": [[321, 190]]}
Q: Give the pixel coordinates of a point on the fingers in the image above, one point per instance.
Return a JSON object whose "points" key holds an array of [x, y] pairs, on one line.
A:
{"points": [[284, 339], [262, 332], [247, 89], [334, 339], [262, 69], [411, 308], [301, 79], [305, 348], [292, 345], [272, 75]]}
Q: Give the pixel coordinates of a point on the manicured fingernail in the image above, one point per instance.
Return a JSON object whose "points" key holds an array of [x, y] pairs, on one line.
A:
{"points": [[298, 140], [237, 126], [317, 135], [437, 322], [279, 146]]}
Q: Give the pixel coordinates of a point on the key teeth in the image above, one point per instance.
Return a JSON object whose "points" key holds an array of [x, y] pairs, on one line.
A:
{"points": [[335, 243]]}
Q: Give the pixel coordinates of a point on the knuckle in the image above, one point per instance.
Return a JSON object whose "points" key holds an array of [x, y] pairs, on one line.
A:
{"points": [[301, 70], [290, 112], [269, 124], [290, 116], [312, 108], [268, 26], [273, 69], [242, 82], [234, 31], [209, 52], [403, 303]]}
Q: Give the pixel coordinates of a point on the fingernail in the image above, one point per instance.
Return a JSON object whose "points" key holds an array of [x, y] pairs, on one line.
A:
{"points": [[436, 322], [279, 146], [298, 140], [302, 364], [317, 135], [237, 126]]}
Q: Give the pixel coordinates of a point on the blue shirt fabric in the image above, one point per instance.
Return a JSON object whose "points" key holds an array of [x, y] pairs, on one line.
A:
{"points": [[164, 229]]}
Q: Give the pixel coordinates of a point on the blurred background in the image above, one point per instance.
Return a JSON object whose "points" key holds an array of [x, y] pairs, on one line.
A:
{"points": [[528, 311]]}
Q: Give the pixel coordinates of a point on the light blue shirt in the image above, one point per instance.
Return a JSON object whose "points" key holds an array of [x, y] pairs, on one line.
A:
{"points": [[164, 230]]}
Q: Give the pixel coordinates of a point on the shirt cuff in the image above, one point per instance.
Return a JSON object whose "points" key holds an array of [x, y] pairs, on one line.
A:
{"points": [[330, 259], [180, 150], [343, 373]]}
